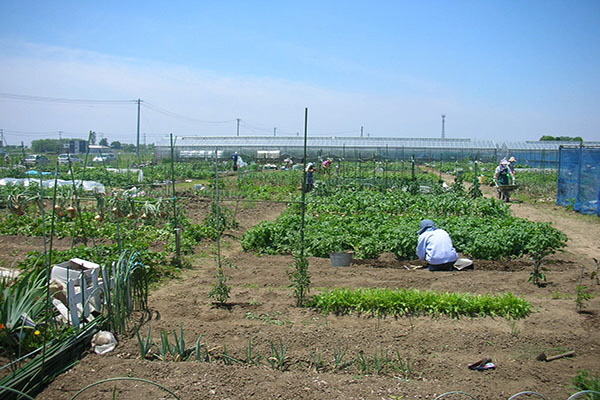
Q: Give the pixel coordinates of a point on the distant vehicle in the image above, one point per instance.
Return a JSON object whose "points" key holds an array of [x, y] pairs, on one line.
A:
{"points": [[64, 158], [35, 159], [104, 157]]}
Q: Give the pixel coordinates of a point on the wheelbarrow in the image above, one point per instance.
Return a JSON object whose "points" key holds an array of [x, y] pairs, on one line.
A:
{"points": [[504, 191]]}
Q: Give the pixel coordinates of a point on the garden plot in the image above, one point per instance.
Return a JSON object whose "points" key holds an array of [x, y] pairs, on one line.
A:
{"points": [[328, 356], [259, 345]]}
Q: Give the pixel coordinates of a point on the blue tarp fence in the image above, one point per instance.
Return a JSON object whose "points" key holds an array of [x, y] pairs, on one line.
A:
{"points": [[579, 178]]}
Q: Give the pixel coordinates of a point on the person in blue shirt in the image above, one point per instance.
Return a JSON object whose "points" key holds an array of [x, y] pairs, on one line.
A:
{"points": [[435, 246]]}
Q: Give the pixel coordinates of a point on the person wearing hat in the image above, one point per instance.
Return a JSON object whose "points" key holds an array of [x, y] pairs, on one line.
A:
{"points": [[435, 246], [310, 178], [503, 171], [235, 157], [512, 162]]}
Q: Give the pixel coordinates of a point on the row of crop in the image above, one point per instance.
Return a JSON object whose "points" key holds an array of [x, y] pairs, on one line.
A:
{"points": [[122, 175], [369, 236], [413, 302], [399, 202], [538, 183], [371, 223]]}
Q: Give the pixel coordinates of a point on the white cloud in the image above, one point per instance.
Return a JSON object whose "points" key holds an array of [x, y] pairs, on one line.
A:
{"points": [[202, 95]]}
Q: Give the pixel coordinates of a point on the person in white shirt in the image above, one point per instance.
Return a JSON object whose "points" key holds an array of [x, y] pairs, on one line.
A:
{"points": [[435, 246]]}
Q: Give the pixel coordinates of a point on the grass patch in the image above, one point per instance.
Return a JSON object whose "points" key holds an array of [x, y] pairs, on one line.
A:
{"points": [[585, 381]]}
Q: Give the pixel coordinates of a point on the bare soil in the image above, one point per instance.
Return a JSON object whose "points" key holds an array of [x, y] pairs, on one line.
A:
{"points": [[437, 350]]}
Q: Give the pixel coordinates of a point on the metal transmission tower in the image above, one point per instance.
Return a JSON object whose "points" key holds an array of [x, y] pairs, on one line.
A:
{"points": [[443, 126]]}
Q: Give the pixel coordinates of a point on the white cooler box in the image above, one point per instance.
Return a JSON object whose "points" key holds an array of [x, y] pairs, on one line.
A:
{"points": [[73, 269]]}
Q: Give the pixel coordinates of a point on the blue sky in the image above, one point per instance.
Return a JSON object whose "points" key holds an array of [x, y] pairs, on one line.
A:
{"points": [[498, 70]]}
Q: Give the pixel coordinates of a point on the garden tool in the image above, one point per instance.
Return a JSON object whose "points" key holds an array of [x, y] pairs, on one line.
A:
{"points": [[543, 357]]}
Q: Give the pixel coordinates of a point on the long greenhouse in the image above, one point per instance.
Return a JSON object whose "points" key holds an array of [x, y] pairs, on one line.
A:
{"points": [[535, 154]]}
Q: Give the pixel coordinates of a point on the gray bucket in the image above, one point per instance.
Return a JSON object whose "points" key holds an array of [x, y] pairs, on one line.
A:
{"points": [[340, 259]]}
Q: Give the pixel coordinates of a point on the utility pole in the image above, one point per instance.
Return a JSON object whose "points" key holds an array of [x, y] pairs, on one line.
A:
{"points": [[138, 129], [361, 131], [238, 127], [443, 126], [275, 131]]}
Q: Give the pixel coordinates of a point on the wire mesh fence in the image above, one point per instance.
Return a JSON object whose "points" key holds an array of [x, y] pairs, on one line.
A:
{"points": [[579, 179]]}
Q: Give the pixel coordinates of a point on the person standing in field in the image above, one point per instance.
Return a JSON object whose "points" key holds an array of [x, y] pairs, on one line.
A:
{"points": [[235, 157], [503, 171], [512, 162], [435, 246], [309, 183]]}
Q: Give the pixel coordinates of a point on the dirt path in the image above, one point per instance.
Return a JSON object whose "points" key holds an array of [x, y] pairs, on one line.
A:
{"points": [[583, 231]]}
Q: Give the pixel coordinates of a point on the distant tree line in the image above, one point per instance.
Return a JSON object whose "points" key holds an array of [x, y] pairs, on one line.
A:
{"points": [[58, 145], [561, 139]]}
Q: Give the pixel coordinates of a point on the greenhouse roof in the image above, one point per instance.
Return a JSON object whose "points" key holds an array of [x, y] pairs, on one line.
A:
{"points": [[324, 141], [358, 142]]}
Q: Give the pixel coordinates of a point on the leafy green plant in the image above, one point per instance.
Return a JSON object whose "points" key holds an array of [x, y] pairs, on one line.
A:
{"points": [[179, 350], [371, 223], [227, 359], [403, 366], [582, 296], [252, 357], [339, 355], [475, 189], [165, 349], [362, 363], [316, 360], [201, 352], [585, 381], [270, 319], [129, 291], [406, 302], [278, 359], [300, 278], [541, 244], [21, 310], [144, 344], [220, 290]]}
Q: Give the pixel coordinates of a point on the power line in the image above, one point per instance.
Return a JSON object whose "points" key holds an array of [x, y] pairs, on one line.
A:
{"points": [[179, 116], [60, 100], [34, 133]]}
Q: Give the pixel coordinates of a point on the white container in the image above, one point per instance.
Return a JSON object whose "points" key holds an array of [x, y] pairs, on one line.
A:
{"points": [[73, 269]]}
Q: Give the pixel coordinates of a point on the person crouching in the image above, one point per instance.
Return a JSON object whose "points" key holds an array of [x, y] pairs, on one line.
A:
{"points": [[435, 246]]}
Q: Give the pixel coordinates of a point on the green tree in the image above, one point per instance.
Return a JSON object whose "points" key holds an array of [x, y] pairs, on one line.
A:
{"points": [[46, 145], [129, 148], [116, 145], [92, 137], [103, 142], [547, 138]]}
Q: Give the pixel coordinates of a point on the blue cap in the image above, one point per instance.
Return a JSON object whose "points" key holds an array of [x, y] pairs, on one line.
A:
{"points": [[424, 225]]}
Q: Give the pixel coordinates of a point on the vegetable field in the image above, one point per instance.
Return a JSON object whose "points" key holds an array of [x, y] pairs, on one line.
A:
{"points": [[377, 329]]}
